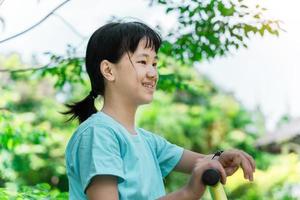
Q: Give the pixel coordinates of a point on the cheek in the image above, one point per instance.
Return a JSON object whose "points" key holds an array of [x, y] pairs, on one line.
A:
{"points": [[134, 79], [139, 74]]}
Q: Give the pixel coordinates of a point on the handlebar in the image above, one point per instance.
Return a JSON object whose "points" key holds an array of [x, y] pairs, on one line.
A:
{"points": [[211, 177]]}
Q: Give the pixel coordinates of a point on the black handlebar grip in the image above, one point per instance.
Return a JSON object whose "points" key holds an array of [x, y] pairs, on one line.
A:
{"points": [[211, 177]]}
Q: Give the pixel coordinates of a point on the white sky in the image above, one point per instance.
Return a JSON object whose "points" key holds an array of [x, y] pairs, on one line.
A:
{"points": [[265, 74]]}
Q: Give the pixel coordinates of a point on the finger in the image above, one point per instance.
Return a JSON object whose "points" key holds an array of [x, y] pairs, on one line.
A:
{"points": [[222, 172], [252, 161], [251, 164], [247, 169], [231, 170]]}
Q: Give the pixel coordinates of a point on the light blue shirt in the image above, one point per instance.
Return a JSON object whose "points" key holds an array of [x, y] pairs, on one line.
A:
{"points": [[102, 146]]}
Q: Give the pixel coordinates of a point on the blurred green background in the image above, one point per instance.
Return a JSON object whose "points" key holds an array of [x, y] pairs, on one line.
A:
{"points": [[189, 109]]}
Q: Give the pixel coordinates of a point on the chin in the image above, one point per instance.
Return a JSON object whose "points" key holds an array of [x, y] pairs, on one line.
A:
{"points": [[146, 100]]}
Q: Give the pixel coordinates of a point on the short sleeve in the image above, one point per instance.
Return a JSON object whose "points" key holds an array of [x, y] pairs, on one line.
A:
{"points": [[168, 154], [99, 154]]}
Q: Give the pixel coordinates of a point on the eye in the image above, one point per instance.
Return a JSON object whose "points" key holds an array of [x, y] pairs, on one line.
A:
{"points": [[154, 65], [142, 62]]}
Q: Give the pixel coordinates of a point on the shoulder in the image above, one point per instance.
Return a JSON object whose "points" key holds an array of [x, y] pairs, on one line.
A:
{"points": [[95, 126], [153, 139], [150, 135], [147, 135], [98, 123], [93, 130]]}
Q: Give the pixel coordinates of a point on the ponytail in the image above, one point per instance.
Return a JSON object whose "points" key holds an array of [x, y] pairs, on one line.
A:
{"points": [[83, 109]]}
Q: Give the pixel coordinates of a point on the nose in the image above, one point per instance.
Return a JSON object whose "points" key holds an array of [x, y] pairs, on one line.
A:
{"points": [[152, 72]]}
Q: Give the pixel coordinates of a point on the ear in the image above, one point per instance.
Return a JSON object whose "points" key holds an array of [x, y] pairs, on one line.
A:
{"points": [[107, 70]]}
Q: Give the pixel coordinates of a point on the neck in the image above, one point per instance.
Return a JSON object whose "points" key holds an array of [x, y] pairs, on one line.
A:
{"points": [[121, 111]]}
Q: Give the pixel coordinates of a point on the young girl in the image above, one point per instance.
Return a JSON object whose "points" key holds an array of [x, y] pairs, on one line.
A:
{"points": [[108, 157]]}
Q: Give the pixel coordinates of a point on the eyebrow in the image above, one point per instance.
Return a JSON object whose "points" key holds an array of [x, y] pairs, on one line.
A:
{"points": [[146, 55]]}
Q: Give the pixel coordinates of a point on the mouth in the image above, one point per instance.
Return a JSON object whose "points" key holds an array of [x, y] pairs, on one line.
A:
{"points": [[149, 85]]}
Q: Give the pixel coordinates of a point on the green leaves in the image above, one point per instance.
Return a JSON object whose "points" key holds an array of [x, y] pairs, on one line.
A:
{"points": [[66, 70], [224, 10], [14, 132], [174, 76], [27, 148], [40, 191], [207, 29]]}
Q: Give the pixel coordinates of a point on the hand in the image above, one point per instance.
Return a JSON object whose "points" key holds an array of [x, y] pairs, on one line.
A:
{"points": [[195, 188], [231, 160]]}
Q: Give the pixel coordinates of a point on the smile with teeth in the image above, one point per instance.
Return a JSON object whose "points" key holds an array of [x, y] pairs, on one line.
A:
{"points": [[148, 85]]}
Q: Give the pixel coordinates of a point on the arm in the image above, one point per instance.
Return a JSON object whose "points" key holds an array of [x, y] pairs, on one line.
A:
{"points": [[231, 160], [188, 160], [195, 188], [182, 194], [103, 187]]}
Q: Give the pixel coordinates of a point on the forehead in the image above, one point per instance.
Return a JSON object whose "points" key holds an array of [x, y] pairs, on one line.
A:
{"points": [[142, 51]]}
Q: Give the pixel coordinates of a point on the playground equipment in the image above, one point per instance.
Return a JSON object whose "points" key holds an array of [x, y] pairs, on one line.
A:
{"points": [[211, 178]]}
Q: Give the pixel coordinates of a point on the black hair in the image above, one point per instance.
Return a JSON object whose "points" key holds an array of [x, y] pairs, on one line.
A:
{"points": [[109, 42]]}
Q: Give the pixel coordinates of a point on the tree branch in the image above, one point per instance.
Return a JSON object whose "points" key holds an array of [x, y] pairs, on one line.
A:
{"points": [[1, 2], [70, 26], [54, 65], [5, 109], [35, 25], [24, 70]]}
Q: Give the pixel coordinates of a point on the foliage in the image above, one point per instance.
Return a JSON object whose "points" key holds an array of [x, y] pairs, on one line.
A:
{"points": [[38, 192], [28, 150], [206, 29], [31, 136]]}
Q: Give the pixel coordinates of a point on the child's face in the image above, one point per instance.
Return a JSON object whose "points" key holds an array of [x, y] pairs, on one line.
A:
{"points": [[137, 83]]}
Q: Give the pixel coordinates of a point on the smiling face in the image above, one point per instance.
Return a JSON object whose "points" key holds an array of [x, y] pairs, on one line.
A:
{"points": [[135, 75]]}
